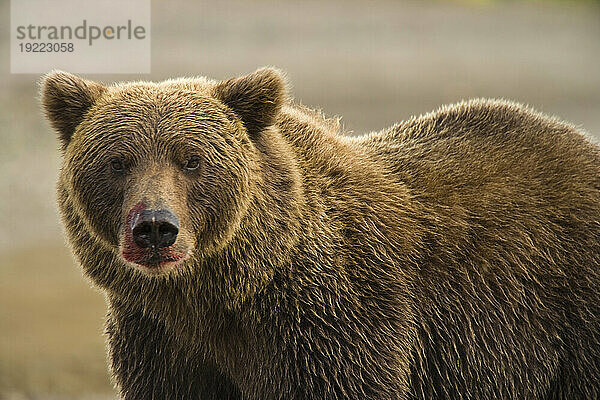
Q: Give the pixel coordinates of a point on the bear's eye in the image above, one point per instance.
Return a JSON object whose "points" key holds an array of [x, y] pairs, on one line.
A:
{"points": [[192, 163], [116, 164]]}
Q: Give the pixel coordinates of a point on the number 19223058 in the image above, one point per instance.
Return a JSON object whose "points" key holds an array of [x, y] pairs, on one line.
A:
{"points": [[46, 47]]}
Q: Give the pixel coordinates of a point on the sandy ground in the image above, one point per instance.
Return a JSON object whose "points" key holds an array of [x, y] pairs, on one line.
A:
{"points": [[371, 65]]}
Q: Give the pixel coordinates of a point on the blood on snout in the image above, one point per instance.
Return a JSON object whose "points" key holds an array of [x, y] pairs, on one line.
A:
{"points": [[131, 251]]}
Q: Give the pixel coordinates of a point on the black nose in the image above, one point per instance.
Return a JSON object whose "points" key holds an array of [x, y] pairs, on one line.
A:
{"points": [[155, 229]]}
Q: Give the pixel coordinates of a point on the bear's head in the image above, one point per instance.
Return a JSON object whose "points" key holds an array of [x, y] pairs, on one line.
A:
{"points": [[161, 172]]}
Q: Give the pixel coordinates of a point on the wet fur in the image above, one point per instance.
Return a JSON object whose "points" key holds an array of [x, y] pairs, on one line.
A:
{"points": [[454, 255]]}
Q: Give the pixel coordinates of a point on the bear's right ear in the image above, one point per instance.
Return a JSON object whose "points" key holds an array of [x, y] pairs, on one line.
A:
{"points": [[65, 99]]}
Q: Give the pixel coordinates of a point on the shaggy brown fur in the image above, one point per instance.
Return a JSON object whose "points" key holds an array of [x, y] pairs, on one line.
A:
{"points": [[455, 255]]}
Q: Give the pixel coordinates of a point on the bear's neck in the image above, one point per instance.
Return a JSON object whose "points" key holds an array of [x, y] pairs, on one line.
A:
{"points": [[319, 193], [272, 226]]}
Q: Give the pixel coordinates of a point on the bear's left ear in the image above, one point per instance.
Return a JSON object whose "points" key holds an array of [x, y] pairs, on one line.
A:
{"points": [[256, 98], [65, 99]]}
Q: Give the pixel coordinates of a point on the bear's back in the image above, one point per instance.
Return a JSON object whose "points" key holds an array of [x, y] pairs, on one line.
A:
{"points": [[475, 151]]}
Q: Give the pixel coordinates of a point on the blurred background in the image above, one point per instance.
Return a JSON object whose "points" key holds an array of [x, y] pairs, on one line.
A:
{"points": [[372, 63]]}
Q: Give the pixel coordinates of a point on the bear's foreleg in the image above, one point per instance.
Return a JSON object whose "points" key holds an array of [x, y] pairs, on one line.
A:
{"points": [[146, 362]]}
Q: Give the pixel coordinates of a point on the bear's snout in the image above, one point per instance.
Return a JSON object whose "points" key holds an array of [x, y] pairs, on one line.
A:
{"points": [[150, 238], [155, 229]]}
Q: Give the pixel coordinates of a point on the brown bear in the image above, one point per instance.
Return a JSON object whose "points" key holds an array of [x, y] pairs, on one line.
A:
{"points": [[250, 250]]}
